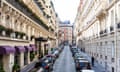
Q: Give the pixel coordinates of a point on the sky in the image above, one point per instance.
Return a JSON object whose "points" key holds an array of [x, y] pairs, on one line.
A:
{"points": [[66, 9]]}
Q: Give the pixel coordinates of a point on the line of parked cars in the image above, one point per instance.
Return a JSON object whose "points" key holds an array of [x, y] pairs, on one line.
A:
{"points": [[46, 63], [81, 63]]}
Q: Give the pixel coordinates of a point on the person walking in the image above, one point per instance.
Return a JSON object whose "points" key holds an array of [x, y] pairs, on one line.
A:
{"points": [[93, 61]]}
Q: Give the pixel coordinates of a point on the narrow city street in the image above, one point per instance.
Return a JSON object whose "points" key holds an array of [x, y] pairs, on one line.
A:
{"points": [[65, 62]]}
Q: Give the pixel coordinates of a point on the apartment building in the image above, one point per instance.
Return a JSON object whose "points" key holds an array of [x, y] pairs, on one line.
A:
{"points": [[97, 28], [65, 32], [25, 32]]}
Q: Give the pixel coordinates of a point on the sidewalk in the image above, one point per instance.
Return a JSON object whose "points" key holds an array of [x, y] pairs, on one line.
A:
{"points": [[97, 67], [28, 67]]}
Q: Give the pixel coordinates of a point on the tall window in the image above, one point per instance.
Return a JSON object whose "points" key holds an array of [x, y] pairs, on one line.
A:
{"points": [[112, 18], [113, 48], [118, 15]]}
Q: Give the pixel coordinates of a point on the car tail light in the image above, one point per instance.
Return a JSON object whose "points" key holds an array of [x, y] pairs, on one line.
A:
{"points": [[46, 67]]}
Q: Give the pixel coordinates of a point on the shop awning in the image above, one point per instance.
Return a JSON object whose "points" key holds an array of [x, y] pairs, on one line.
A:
{"points": [[19, 49], [28, 48], [41, 39], [33, 47], [7, 49]]}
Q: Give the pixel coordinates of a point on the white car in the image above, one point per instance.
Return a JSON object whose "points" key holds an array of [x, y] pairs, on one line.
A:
{"points": [[87, 71]]}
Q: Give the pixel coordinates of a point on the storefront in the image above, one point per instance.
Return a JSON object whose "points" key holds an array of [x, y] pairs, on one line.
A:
{"points": [[19, 56], [41, 45], [7, 58], [29, 50]]}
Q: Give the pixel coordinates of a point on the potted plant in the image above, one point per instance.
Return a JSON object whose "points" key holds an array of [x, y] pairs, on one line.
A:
{"points": [[9, 31], [22, 34], [16, 68], [17, 34], [2, 28], [32, 55], [1, 68]]}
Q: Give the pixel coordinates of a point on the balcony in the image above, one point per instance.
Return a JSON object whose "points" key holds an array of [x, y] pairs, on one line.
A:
{"points": [[100, 10], [28, 12], [103, 33]]}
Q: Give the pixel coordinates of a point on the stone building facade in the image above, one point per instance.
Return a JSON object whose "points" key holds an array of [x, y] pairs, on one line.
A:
{"points": [[25, 31], [97, 26]]}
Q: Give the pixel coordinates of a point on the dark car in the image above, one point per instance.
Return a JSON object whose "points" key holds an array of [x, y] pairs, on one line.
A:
{"points": [[82, 64]]}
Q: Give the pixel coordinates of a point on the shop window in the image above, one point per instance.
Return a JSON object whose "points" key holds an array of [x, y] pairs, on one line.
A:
{"points": [[25, 58], [17, 59]]}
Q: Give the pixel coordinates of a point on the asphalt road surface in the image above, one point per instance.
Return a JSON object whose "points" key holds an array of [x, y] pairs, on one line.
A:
{"points": [[65, 62]]}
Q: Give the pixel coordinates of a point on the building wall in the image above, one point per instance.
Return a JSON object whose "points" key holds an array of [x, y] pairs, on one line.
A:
{"points": [[16, 17], [99, 32]]}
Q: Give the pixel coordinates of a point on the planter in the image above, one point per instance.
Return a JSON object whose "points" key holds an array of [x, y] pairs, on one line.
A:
{"points": [[24, 37], [16, 68], [2, 30], [3, 33], [12, 35], [18, 36]]}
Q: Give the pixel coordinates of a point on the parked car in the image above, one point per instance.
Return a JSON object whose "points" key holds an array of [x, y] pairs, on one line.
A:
{"points": [[83, 64]]}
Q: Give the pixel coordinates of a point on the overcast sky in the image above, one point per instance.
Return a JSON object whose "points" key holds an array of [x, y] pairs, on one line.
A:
{"points": [[66, 9]]}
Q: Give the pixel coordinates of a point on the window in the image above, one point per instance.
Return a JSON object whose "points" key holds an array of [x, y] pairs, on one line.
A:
{"points": [[106, 57], [112, 60], [112, 18], [17, 58], [112, 48], [118, 16]]}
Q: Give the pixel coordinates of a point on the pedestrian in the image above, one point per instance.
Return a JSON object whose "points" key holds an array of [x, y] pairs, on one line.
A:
{"points": [[92, 61]]}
